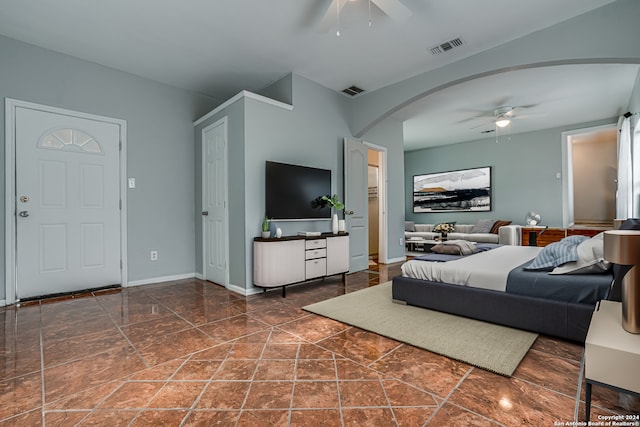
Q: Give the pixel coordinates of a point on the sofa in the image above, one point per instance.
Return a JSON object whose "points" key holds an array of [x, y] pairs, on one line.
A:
{"points": [[481, 232]]}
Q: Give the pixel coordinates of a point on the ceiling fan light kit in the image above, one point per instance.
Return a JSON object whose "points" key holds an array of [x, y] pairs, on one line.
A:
{"points": [[502, 121]]}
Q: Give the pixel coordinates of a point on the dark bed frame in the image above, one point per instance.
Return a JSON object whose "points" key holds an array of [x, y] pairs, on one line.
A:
{"points": [[560, 319]]}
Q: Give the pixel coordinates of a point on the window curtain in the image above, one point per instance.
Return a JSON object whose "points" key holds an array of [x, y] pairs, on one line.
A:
{"points": [[624, 195]]}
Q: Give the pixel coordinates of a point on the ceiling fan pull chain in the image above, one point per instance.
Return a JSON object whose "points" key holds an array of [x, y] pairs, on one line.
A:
{"points": [[369, 13], [338, 18]]}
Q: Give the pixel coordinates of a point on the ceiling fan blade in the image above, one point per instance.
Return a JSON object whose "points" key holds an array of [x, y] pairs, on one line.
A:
{"points": [[483, 117], [394, 9], [528, 116], [485, 124]]}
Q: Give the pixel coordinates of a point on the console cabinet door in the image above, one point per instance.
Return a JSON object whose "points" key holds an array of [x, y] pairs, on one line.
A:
{"points": [[337, 255], [278, 263]]}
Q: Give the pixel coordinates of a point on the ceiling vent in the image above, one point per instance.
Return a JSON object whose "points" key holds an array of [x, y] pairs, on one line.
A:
{"points": [[353, 90], [446, 46], [488, 131]]}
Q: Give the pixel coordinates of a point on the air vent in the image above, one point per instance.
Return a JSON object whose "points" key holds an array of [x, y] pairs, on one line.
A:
{"points": [[446, 46], [488, 131], [352, 90]]}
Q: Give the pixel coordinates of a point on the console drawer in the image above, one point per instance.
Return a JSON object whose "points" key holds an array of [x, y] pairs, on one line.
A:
{"points": [[316, 268], [315, 253], [315, 243]]}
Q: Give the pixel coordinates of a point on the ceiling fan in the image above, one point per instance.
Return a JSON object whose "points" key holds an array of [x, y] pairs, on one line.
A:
{"points": [[392, 8], [502, 116]]}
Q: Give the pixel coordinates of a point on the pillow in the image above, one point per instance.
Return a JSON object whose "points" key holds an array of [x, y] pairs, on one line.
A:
{"points": [[409, 226], [446, 249], [496, 226], [483, 226], [590, 258], [455, 247], [445, 227], [557, 253]]}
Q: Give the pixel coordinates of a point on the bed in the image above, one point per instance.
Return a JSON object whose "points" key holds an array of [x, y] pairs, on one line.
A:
{"points": [[495, 285]]}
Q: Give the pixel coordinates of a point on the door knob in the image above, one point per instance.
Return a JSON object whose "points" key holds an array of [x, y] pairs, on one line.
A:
{"points": [[24, 214], [205, 213], [348, 212]]}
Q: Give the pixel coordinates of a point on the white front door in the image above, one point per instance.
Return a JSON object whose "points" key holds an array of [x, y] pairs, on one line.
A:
{"points": [[356, 204], [214, 203], [67, 203]]}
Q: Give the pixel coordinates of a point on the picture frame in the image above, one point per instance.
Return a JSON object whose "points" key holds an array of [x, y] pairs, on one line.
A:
{"points": [[463, 190]]}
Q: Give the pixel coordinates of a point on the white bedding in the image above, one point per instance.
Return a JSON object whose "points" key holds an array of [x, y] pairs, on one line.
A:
{"points": [[487, 270]]}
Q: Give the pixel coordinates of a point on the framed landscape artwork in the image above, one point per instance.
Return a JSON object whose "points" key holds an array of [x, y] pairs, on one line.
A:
{"points": [[466, 190]]}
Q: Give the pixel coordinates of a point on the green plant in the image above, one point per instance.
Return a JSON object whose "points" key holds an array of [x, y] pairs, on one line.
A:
{"points": [[265, 223], [333, 202]]}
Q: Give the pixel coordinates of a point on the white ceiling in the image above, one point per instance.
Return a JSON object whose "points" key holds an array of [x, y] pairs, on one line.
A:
{"points": [[554, 96], [221, 47]]}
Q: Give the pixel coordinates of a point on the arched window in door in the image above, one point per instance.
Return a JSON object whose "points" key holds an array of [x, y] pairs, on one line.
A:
{"points": [[69, 139]]}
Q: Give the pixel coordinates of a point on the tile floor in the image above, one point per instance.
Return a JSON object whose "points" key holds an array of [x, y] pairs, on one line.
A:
{"points": [[191, 353]]}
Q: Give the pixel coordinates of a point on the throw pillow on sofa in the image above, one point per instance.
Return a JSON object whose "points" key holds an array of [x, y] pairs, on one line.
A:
{"points": [[496, 226], [409, 226], [483, 226]]}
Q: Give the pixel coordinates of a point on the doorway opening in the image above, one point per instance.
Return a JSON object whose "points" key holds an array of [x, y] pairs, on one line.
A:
{"points": [[590, 177], [376, 196]]}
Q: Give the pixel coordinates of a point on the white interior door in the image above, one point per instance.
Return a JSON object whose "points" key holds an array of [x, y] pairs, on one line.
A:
{"points": [[67, 203], [214, 202], [356, 167]]}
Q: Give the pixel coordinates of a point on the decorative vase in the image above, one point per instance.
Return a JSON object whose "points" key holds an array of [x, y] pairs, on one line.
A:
{"points": [[342, 226], [334, 224], [266, 234], [278, 232], [444, 236]]}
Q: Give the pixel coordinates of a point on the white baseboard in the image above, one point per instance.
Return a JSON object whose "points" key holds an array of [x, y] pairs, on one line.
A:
{"points": [[3, 302], [393, 260], [243, 291], [200, 276], [161, 279]]}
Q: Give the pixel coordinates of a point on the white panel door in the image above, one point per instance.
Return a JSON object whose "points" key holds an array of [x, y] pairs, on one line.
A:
{"points": [[356, 166], [215, 224], [67, 203]]}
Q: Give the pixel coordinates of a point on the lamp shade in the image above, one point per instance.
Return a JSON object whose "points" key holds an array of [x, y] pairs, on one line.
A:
{"points": [[622, 246]]}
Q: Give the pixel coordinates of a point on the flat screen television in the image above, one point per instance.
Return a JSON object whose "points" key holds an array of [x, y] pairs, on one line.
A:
{"points": [[294, 192]]}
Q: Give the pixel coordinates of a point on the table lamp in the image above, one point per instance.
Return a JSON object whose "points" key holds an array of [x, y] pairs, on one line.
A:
{"points": [[623, 247]]}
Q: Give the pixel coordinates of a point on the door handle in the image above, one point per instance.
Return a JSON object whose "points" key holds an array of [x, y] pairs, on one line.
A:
{"points": [[24, 214], [346, 212], [205, 213]]}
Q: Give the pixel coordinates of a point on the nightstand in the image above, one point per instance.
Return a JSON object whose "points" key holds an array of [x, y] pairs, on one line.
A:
{"points": [[611, 354]]}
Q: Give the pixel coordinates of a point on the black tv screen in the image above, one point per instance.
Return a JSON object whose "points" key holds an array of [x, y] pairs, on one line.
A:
{"points": [[294, 192]]}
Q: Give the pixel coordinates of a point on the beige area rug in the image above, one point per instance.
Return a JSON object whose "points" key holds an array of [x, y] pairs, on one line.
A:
{"points": [[492, 347]]}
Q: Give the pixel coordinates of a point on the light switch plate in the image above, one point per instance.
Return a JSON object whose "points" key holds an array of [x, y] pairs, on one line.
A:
{"points": [[132, 183]]}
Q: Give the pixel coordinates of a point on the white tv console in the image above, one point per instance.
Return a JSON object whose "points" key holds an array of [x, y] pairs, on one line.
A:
{"points": [[295, 259]]}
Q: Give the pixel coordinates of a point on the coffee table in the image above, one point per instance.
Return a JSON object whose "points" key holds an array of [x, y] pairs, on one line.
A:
{"points": [[417, 243]]}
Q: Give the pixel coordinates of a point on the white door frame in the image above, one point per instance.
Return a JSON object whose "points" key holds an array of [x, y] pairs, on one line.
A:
{"points": [[222, 121], [383, 244], [10, 187]]}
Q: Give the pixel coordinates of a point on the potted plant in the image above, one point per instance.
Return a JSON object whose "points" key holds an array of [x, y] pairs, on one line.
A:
{"points": [[265, 228], [334, 203]]}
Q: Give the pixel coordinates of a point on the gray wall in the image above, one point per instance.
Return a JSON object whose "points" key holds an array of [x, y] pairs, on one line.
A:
{"points": [[524, 172], [160, 150], [606, 35], [312, 135]]}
